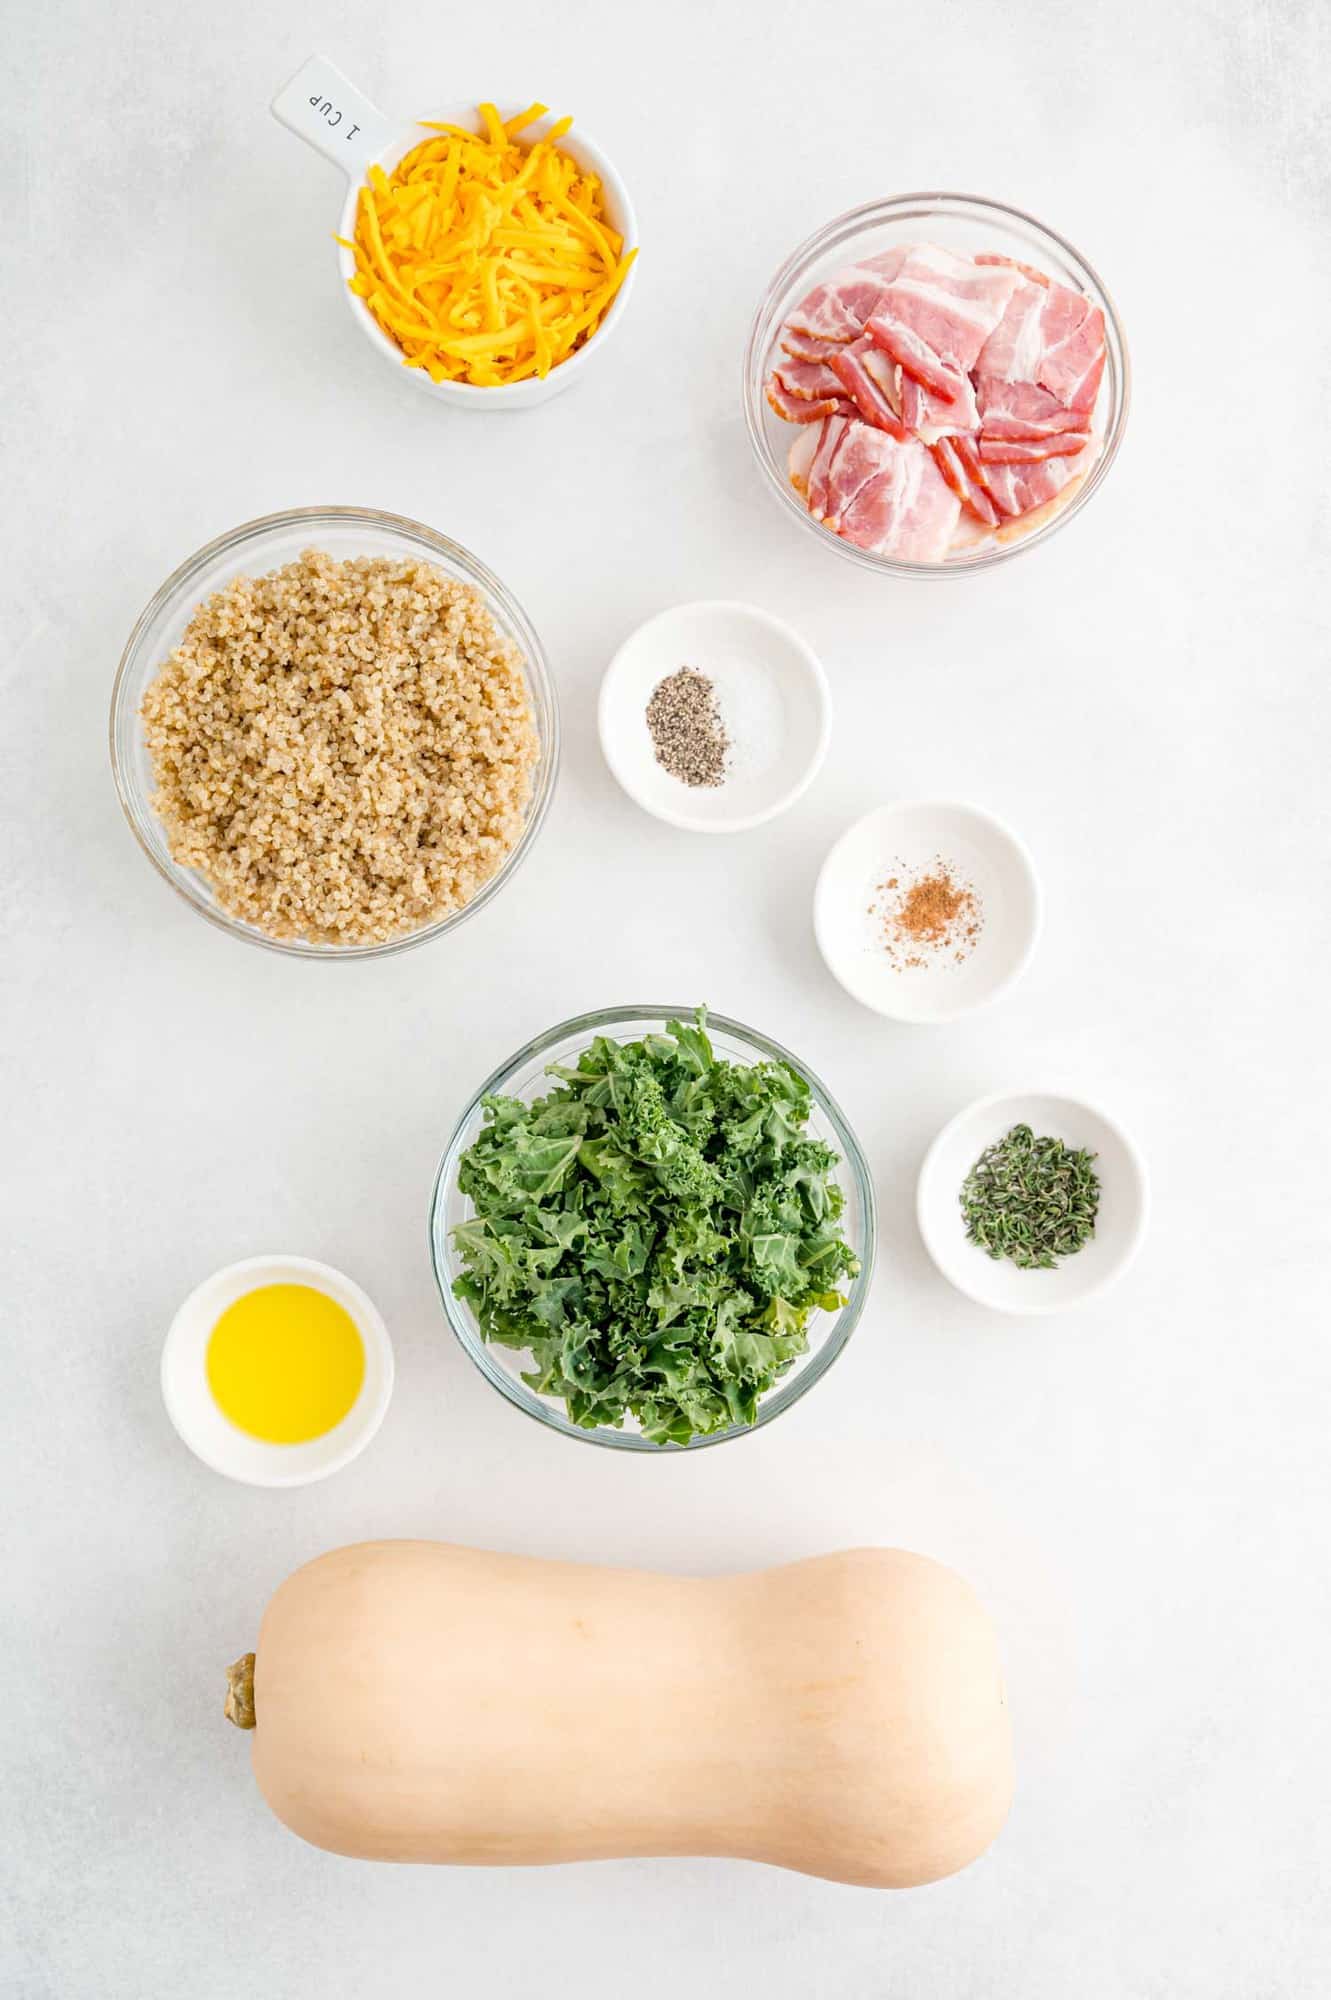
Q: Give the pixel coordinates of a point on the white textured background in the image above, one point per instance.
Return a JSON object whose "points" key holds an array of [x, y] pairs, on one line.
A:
{"points": [[1141, 1491]]}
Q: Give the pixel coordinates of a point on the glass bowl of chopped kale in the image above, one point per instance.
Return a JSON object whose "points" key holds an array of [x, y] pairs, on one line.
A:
{"points": [[653, 1229]]}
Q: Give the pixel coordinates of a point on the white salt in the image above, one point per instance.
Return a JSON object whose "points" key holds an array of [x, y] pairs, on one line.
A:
{"points": [[752, 712]]}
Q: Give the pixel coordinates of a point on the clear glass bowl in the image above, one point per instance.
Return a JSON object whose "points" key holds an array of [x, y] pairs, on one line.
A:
{"points": [[525, 1076], [252, 550], [958, 222]]}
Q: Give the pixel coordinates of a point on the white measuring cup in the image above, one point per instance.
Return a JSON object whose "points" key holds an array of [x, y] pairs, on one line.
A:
{"points": [[330, 114]]}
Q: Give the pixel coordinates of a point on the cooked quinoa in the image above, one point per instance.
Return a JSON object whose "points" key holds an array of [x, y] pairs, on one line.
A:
{"points": [[343, 749]]}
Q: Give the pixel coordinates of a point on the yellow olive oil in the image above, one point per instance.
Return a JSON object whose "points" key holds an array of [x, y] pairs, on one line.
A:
{"points": [[285, 1363]]}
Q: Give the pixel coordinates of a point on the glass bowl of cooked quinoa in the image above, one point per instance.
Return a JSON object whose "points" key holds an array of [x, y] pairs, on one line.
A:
{"points": [[334, 732]]}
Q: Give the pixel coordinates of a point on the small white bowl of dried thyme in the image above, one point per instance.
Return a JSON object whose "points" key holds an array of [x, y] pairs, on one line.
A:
{"points": [[1031, 1202], [334, 732], [715, 716]]}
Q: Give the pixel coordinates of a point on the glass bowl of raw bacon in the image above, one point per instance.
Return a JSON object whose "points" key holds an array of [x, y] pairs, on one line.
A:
{"points": [[934, 383]]}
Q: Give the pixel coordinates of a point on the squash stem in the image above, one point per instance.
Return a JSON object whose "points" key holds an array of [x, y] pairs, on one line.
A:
{"points": [[240, 1692]]}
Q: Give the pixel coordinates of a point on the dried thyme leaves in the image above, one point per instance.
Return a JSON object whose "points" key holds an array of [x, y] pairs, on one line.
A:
{"points": [[1030, 1200]]}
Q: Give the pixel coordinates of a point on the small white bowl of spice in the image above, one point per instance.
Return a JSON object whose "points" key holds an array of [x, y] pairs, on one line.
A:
{"points": [[927, 910], [1030, 1202], [715, 716]]}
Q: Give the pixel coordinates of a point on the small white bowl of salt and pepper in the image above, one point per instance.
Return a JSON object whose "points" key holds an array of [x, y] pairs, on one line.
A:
{"points": [[715, 716]]}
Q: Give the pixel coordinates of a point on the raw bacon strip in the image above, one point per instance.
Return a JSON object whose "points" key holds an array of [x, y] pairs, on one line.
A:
{"points": [[906, 510], [868, 378], [1021, 410], [931, 416], [1015, 489], [806, 346], [849, 455], [1014, 349], [888, 262], [970, 493], [829, 441], [837, 309], [1045, 357], [807, 381], [1086, 391], [968, 453], [1030, 451], [945, 307], [863, 453], [1037, 516], [951, 302], [912, 400], [1027, 270], [823, 315], [798, 411], [916, 357], [800, 458], [1074, 356]]}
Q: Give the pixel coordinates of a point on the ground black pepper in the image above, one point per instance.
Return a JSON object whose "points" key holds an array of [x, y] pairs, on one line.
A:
{"points": [[686, 729]]}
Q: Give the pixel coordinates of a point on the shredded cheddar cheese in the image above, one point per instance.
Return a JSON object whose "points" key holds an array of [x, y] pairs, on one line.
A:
{"points": [[484, 260]]}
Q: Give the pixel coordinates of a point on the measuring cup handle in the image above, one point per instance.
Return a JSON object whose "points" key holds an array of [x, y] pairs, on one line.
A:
{"points": [[321, 107]]}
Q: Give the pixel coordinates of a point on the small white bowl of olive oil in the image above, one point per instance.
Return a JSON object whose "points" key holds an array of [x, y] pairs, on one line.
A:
{"points": [[277, 1371]]}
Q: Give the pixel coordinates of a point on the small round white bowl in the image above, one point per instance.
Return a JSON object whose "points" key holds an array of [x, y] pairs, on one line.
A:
{"points": [[1120, 1220], [771, 688], [906, 840], [212, 1436], [330, 114], [536, 389]]}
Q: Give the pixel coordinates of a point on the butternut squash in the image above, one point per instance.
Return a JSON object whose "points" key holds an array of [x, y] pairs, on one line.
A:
{"points": [[845, 1716]]}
